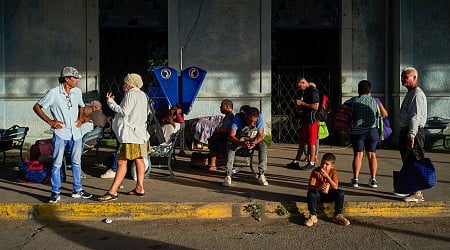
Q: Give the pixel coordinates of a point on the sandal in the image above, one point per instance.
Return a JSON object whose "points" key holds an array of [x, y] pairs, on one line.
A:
{"points": [[134, 192], [108, 197]]}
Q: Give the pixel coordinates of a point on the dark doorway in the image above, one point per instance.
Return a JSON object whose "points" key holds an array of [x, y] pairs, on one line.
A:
{"points": [[312, 52], [133, 34], [128, 50]]}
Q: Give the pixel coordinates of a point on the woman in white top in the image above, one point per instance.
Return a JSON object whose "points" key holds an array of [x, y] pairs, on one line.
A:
{"points": [[129, 126]]}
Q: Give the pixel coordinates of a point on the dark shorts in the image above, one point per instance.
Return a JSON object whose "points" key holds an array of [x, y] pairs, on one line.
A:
{"points": [[367, 141], [308, 133]]}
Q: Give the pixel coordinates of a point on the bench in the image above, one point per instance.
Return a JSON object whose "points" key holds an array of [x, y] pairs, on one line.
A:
{"points": [[437, 124], [91, 140], [12, 138], [163, 151]]}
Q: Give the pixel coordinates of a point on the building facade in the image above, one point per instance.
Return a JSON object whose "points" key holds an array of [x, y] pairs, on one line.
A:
{"points": [[252, 51]]}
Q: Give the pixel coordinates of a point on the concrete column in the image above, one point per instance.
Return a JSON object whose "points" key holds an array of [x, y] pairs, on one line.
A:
{"points": [[346, 49]]}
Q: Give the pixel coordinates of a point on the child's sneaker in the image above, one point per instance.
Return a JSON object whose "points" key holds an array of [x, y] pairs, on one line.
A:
{"points": [[227, 181], [311, 221], [341, 220], [354, 183], [373, 183], [81, 194], [415, 197], [54, 197]]}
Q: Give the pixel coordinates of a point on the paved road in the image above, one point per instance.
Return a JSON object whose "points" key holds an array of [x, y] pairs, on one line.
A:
{"points": [[242, 233]]}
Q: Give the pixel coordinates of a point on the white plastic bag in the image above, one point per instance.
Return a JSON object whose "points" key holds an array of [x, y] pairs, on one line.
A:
{"points": [[133, 168]]}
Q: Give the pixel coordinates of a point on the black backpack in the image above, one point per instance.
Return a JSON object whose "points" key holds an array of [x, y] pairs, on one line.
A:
{"points": [[154, 128]]}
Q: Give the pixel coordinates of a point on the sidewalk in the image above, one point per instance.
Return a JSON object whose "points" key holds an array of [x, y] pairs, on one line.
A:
{"points": [[198, 193]]}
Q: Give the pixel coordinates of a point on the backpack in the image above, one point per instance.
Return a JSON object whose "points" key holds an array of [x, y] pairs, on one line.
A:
{"points": [[34, 171], [155, 131], [343, 120], [323, 113]]}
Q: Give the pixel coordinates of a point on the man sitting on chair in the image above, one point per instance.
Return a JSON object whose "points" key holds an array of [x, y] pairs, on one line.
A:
{"points": [[217, 143], [247, 132]]}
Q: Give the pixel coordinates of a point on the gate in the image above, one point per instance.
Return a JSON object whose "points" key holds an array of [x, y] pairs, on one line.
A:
{"points": [[284, 124]]}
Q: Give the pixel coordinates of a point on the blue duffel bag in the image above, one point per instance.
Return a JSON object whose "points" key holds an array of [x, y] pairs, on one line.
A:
{"points": [[418, 175]]}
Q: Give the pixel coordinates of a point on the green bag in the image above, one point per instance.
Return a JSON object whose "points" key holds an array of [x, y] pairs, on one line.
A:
{"points": [[323, 130]]}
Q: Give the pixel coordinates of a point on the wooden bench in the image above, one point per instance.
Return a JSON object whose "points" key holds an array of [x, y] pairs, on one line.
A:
{"points": [[12, 138]]}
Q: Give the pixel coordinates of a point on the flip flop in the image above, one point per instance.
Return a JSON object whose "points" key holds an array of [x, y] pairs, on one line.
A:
{"points": [[108, 197], [134, 192]]}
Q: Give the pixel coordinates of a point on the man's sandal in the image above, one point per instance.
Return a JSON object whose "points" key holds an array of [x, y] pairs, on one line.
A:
{"points": [[108, 197]]}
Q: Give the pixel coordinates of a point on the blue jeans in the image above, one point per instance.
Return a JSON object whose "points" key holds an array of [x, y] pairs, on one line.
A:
{"points": [[262, 156], [59, 148], [116, 157], [334, 195]]}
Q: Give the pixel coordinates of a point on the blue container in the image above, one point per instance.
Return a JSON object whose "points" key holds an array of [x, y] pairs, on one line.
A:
{"points": [[191, 81], [167, 79]]}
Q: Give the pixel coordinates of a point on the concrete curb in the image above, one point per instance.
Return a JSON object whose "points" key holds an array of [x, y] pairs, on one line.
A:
{"points": [[148, 211]]}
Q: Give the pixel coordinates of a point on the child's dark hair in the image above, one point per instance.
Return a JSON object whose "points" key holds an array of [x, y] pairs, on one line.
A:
{"points": [[329, 157]]}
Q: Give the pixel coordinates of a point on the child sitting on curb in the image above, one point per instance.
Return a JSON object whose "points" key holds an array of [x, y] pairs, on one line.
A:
{"points": [[323, 187]]}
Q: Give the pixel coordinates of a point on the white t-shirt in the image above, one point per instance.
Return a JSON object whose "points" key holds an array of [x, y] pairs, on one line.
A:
{"points": [[168, 130]]}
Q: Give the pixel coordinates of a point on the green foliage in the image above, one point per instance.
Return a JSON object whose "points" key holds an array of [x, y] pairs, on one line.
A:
{"points": [[157, 62], [282, 210], [255, 210], [268, 140]]}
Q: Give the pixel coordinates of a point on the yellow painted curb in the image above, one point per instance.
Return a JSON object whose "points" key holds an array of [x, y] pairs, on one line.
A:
{"points": [[397, 209], [147, 211], [131, 211], [387, 209]]}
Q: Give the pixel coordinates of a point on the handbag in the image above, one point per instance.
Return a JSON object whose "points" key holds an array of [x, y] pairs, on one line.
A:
{"points": [[199, 159], [323, 130], [415, 176], [383, 124]]}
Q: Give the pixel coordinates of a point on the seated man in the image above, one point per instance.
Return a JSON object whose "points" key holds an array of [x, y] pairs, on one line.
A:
{"points": [[92, 117], [247, 133], [95, 109], [217, 143]]}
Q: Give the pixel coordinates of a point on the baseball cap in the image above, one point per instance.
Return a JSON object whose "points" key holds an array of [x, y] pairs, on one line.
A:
{"points": [[70, 71]]}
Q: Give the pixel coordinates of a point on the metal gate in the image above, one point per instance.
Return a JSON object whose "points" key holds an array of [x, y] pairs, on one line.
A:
{"points": [[284, 124]]}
